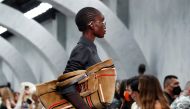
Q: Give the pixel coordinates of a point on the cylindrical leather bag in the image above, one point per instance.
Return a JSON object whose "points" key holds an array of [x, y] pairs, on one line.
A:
{"points": [[97, 88]]}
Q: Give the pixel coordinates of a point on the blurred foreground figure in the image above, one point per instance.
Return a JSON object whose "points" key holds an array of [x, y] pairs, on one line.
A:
{"points": [[26, 100], [7, 98], [151, 95], [172, 88], [183, 101]]}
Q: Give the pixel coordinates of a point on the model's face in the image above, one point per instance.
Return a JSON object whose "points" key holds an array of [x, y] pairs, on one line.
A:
{"points": [[99, 26]]}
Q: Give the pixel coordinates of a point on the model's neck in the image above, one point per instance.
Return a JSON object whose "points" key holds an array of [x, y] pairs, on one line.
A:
{"points": [[89, 36]]}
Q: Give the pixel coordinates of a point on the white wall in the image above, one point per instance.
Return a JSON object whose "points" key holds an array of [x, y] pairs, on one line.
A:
{"points": [[162, 29]]}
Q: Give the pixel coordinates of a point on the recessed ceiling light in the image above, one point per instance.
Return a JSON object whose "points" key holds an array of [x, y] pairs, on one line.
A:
{"points": [[2, 29], [43, 7]]}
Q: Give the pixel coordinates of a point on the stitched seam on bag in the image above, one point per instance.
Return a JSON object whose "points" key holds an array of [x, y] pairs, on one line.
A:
{"points": [[57, 104]]}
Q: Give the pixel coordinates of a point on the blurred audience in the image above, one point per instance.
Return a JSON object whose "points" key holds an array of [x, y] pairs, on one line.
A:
{"points": [[151, 95], [121, 93], [127, 99], [171, 87], [141, 69], [27, 98], [138, 92], [16, 96], [7, 98], [117, 99], [183, 101], [134, 92]]}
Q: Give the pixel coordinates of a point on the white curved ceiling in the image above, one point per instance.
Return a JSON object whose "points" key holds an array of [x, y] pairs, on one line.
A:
{"points": [[16, 62]]}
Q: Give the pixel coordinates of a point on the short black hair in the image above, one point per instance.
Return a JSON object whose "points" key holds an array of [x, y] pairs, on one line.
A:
{"points": [[85, 16], [141, 69], [130, 80], [125, 83], [134, 85], [168, 78]]}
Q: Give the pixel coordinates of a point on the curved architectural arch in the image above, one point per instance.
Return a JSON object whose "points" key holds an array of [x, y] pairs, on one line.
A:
{"points": [[48, 47], [3, 78], [117, 35], [16, 62]]}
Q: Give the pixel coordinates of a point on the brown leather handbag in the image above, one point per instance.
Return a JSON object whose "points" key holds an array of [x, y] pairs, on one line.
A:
{"points": [[96, 85]]}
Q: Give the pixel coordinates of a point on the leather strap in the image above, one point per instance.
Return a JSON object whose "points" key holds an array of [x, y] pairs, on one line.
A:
{"points": [[73, 80]]}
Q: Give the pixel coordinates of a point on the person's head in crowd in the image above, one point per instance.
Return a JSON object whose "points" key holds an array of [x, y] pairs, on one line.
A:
{"points": [[171, 85], [90, 22], [122, 88], [7, 97], [151, 94], [16, 96], [186, 90], [126, 93], [117, 85], [117, 89], [9, 85], [130, 86], [26, 90], [134, 90], [182, 101], [141, 69]]}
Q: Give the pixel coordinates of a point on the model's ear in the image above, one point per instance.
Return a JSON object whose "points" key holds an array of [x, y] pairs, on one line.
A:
{"points": [[91, 26]]}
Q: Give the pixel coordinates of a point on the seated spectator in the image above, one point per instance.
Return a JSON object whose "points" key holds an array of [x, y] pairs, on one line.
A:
{"points": [[7, 98], [121, 93], [25, 99], [117, 98], [127, 99], [16, 96], [151, 95], [171, 87], [183, 101], [134, 92]]}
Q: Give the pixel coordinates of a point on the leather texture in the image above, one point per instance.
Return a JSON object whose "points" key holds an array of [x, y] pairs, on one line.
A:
{"points": [[97, 88]]}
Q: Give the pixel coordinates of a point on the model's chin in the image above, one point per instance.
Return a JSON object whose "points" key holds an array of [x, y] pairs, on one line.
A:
{"points": [[103, 34], [100, 36]]}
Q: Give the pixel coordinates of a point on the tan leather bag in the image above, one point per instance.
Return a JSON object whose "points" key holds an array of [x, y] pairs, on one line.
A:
{"points": [[97, 88]]}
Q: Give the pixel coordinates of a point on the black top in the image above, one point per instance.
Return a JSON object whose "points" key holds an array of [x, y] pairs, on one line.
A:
{"points": [[82, 56], [169, 98]]}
